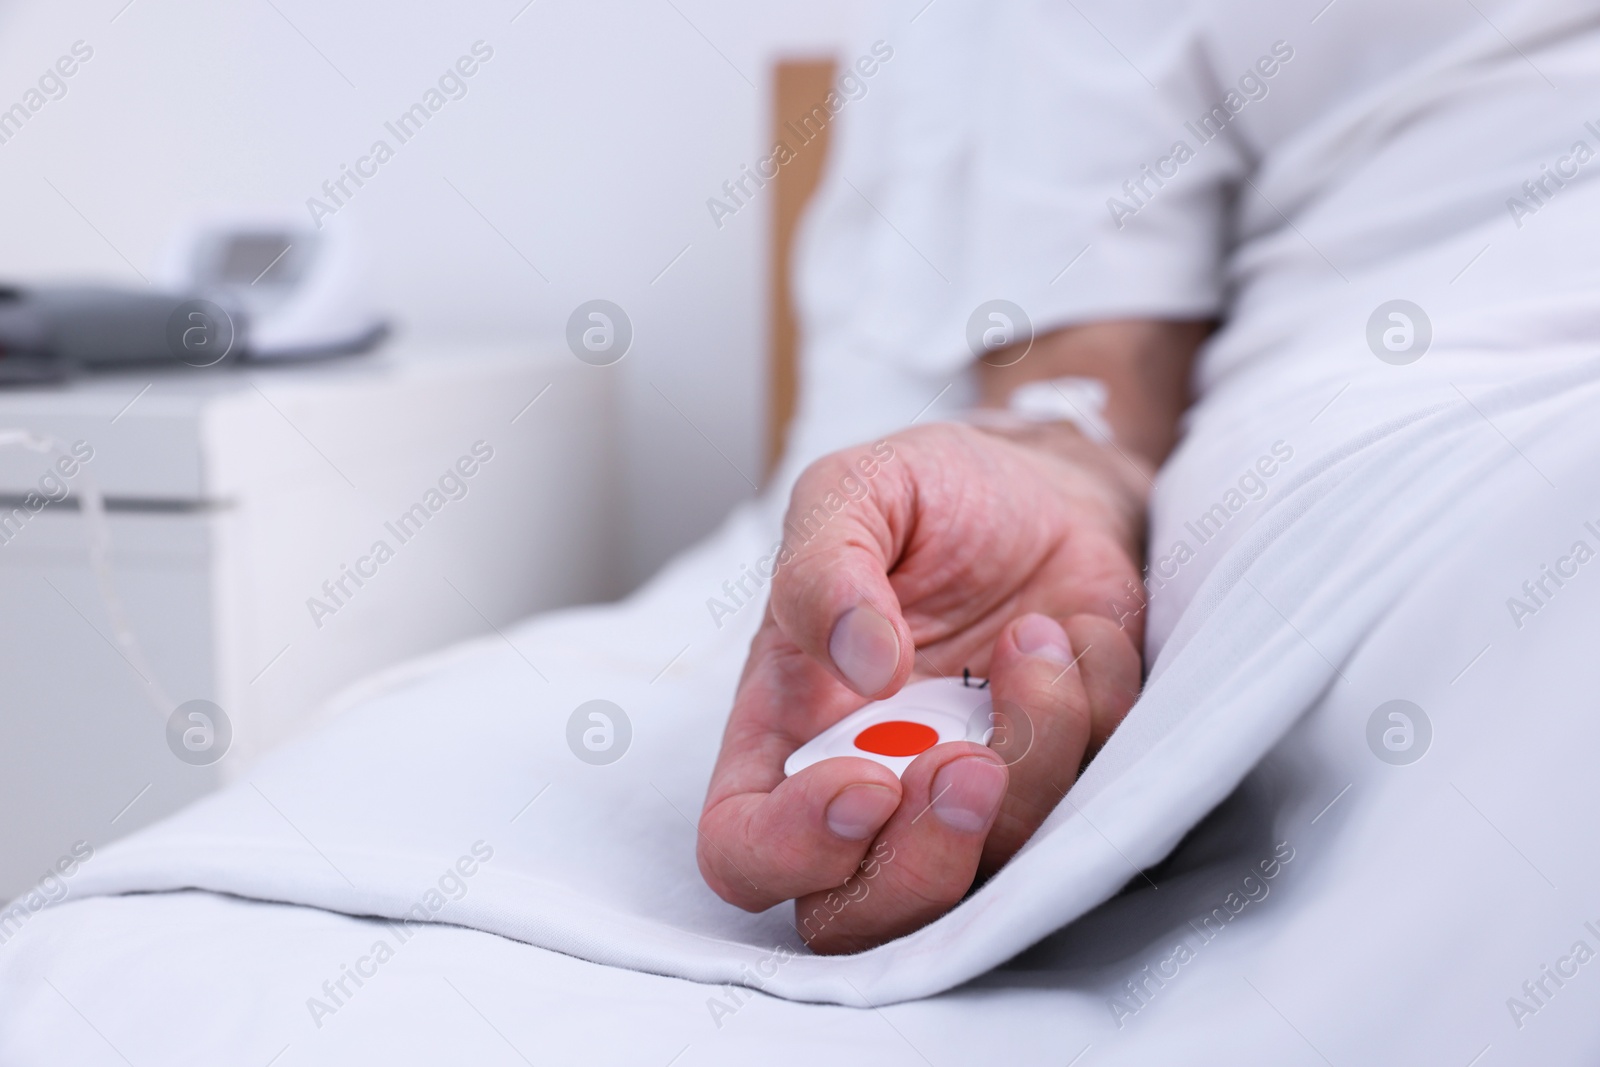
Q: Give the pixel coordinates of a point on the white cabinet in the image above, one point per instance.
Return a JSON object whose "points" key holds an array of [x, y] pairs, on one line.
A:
{"points": [[276, 534]]}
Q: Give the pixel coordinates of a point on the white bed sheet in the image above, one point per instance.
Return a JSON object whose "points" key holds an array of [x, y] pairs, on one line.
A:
{"points": [[1407, 907]]}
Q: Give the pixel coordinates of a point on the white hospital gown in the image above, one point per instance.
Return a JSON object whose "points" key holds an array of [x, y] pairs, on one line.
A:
{"points": [[1285, 168]]}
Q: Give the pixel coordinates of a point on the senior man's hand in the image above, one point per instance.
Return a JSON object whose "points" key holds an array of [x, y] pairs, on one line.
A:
{"points": [[1015, 555]]}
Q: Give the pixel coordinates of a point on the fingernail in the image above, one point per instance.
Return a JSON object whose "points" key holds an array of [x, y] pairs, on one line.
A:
{"points": [[860, 811], [865, 648], [1042, 636], [967, 793]]}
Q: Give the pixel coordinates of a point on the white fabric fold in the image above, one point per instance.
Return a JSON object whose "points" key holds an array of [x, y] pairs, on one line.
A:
{"points": [[982, 172], [364, 817]]}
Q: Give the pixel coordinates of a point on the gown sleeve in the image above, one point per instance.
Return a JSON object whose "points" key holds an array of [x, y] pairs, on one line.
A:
{"points": [[1049, 154]]}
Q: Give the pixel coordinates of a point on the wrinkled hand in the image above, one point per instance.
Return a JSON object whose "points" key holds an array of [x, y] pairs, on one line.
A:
{"points": [[1015, 555]]}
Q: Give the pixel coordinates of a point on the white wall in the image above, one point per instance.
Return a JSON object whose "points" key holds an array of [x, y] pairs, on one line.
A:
{"points": [[590, 141]]}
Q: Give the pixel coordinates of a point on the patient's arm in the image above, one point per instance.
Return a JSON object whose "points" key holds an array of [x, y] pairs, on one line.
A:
{"points": [[1015, 553], [1144, 364]]}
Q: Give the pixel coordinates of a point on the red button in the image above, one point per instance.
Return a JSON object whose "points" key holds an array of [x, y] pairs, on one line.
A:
{"points": [[897, 738]]}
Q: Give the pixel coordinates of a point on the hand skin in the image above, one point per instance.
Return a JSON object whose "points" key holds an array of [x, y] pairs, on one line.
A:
{"points": [[1015, 554]]}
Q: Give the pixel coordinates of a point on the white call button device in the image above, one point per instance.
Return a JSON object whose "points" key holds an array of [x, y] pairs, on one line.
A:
{"points": [[896, 731]]}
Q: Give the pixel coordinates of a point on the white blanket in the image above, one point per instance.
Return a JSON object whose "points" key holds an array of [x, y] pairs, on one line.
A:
{"points": [[1377, 564], [1425, 899]]}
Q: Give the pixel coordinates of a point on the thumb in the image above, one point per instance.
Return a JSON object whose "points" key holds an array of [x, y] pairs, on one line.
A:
{"points": [[832, 596]]}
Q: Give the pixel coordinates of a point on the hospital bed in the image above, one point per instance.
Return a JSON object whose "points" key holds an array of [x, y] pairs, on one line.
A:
{"points": [[1346, 822]]}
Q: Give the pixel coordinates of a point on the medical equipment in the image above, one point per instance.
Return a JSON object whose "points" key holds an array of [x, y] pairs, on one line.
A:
{"points": [[1075, 399], [256, 290], [896, 731], [49, 333], [299, 288]]}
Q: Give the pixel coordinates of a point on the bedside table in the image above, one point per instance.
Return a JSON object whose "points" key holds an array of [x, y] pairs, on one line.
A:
{"points": [[276, 533]]}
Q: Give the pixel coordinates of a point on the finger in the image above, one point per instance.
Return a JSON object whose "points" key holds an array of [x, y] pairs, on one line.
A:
{"points": [[760, 849], [923, 862], [764, 838], [1111, 663], [1042, 727], [832, 595]]}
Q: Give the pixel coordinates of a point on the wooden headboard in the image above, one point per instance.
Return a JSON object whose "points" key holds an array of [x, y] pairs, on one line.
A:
{"points": [[799, 85]]}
